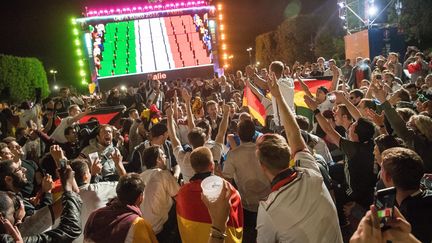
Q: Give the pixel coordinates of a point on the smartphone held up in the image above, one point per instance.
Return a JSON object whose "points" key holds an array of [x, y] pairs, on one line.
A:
{"points": [[384, 202]]}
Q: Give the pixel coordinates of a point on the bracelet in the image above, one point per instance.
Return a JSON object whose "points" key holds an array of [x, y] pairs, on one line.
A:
{"points": [[216, 236], [217, 229], [316, 112], [217, 233]]}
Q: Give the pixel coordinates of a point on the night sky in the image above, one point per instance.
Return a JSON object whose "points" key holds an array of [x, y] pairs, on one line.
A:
{"points": [[42, 28]]}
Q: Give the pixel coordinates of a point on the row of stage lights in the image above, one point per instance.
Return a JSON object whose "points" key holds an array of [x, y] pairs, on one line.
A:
{"points": [[147, 8], [225, 57], [79, 53]]}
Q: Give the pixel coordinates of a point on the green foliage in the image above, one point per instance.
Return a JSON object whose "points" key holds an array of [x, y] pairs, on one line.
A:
{"points": [[296, 39], [414, 21], [22, 76], [329, 46], [265, 46]]}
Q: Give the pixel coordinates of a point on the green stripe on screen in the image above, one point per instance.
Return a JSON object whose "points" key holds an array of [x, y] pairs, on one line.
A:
{"points": [[125, 56]]}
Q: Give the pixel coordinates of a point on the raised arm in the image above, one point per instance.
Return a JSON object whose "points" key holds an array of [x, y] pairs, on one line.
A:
{"points": [[335, 79], [118, 161], [220, 137], [78, 117], [49, 124], [322, 121], [187, 99], [172, 132], [289, 122], [255, 90], [261, 83], [250, 73], [374, 83], [341, 98], [304, 86], [175, 102], [396, 122]]}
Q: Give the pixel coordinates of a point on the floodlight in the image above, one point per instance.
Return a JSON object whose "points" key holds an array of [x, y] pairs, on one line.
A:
{"points": [[372, 10]]}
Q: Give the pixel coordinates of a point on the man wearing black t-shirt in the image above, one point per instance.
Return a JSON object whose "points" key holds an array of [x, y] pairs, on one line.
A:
{"points": [[403, 168], [359, 160]]}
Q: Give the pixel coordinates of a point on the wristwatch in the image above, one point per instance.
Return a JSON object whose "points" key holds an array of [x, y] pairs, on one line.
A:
{"points": [[316, 111]]}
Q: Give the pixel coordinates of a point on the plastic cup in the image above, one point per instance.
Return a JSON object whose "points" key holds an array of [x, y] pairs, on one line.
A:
{"points": [[212, 187]]}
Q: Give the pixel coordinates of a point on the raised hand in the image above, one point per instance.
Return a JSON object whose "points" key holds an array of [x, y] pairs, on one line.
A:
{"points": [[175, 96], [310, 102], [400, 229], [379, 92], [340, 96], [219, 209], [57, 153], [368, 230], [225, 108], [186, 96], [67, 177], [117, 157], [273, 85], [11, 230], [395, 97], [170, 111], [250, 71], [378, 119], [335, 70], [47, 183], [96, 167]]}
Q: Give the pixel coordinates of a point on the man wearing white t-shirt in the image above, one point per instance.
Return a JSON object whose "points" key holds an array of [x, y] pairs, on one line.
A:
{"points": [[299, 208], [286, 87], [197, 137], [75, 115]]}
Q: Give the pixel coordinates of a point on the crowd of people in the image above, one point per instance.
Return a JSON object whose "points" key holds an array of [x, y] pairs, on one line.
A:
{"points": [[292, 179]]}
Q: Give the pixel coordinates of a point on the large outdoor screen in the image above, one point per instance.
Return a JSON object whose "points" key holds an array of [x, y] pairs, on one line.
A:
{"points": [[149, 45]]}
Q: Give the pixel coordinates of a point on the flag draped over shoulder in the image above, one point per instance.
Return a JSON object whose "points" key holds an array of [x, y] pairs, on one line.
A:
{"points": [[194, 220]]}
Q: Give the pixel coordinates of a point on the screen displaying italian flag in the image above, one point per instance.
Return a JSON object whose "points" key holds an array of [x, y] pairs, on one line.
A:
{"points": [[149, 45]]}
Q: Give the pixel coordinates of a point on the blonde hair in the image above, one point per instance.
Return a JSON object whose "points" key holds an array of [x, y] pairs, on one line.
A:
{"points": [[424, 124]]}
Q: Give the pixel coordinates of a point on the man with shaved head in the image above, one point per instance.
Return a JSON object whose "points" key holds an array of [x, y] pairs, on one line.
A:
{"points": [[193, 218]]}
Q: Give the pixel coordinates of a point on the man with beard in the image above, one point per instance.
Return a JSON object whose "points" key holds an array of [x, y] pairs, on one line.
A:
{"points": [[110, 156], [12, 176], [33, 171], [17, 181]]}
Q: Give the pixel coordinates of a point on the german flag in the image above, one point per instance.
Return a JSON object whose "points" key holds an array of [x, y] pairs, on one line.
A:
{"points": [[194, 221], [105, 115], [258, 111], [256, 108]]}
